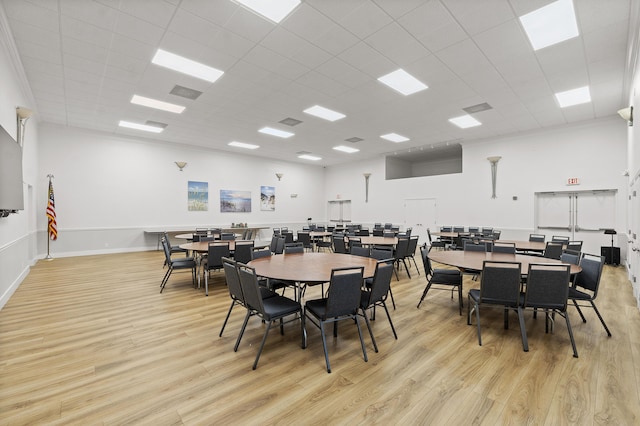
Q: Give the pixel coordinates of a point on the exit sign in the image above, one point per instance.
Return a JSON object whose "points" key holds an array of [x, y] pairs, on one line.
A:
{"points": [[573, 181]]}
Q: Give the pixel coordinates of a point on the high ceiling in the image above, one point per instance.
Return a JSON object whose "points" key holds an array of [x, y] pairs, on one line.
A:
{"points": [[84, 60]]}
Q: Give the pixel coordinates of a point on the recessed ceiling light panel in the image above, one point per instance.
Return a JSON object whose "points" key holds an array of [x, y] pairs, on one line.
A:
{"points": [[154, 103], [274, 10], [309, 157], [275, 132], [346, 149], [465, 121], [325, 113], [243, 145], [551, 24], [186, 66], [578, 96], [403, 82], [394, 137], [138, 126]]}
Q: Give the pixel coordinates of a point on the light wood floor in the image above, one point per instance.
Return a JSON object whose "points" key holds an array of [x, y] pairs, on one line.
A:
{"points": [[89, 340]]}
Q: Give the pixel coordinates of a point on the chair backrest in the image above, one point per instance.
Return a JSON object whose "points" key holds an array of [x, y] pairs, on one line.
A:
{"points": [[500, 283], [474, 229], [547, 286], [402, 248], [250, 288], [242, 252], [388, 225], [381, 281], [291, 248], [445, 229], [388, 234], [429, 236], [304, 238], [569, 256], [360, 251], [487, 231], [574, 246], [378, 232], [288, 237], [362, 233], [276, 231], [502, 247], [202, 231], [381, 252], [426, 262], [232, 278], [274, 242], [537, 238], [496, 235], [257, 253], [412, 246], [553, 250], [472, 246], [458, 229], [560, 238], [589, 277], [227, 236], [217, 250], [280, 242], [167, 250], [343, 296], [354, 242], [338, 244]]}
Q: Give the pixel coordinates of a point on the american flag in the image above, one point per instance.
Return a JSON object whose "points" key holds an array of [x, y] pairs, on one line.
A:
{"points": [[51, 214]]}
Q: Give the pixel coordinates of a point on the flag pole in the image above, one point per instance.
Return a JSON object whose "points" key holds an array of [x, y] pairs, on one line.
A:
{"points": [[49, 218]]}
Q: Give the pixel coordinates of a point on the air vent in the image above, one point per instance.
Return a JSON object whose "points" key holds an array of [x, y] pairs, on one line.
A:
{"points": [[354, 139], [185, 92], [302, 152], [477, 108], [290, 121], [155, 124]]}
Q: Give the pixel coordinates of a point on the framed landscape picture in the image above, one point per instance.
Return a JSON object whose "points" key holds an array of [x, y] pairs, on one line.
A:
{"points": [[267, 198], [197, 196], [235, 201]]}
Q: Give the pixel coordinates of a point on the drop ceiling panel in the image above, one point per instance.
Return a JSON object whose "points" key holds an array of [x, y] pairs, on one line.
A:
{"points": [[433, 26]]}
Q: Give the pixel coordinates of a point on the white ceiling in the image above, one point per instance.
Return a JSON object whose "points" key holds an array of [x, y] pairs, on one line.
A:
{"points": [[84, 60]]}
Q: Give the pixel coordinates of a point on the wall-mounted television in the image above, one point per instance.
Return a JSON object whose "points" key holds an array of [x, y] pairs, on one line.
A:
{"points": [[11, 188]]}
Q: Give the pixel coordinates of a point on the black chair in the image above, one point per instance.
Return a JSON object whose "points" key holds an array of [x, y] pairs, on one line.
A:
{"points": [[175, 249], [383, 253], [376, 295], [458, 229], [474, 230], [274, 242], [342, 302], [435, 243], [499, 287], [476, 246], [553, 250], [378, 232], [280, 242], [271, 309], [227, 236], [411, 250], [288, 236], [537, 238], [547, 289], [180, 263], [400, 254], [362, 233], [560, 238], [569, 256], [305, 239], [339, 245], [574, 246], [213, 261], [442, 279], [235, 289], [586, 285], [501, 247], [290, 248], [242, 252], [360, 251]]}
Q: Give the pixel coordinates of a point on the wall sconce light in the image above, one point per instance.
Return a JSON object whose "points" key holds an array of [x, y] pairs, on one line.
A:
{"points": [[22, 115], [627, 114], [279, 175], [366, 186], [181, 164], [494, 173]]}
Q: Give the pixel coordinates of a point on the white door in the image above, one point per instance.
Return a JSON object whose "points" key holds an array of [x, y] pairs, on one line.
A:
{"points": [[579, 215], [420, 214]]}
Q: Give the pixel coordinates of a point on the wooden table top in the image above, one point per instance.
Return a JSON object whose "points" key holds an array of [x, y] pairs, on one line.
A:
{"points": [[309, 267], [473, 259]]}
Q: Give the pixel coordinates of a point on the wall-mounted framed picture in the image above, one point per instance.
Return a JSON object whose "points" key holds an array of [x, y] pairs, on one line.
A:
{"points": [[197, 196], [268, 198], [232, 201]]}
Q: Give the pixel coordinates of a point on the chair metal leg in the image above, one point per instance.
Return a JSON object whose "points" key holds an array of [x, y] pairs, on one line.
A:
{"points": [[393, 302], [264, 339], [424, 293], [244, 325], [523, 330], [373, 339], [579, 311], [384, 305], [573, 342], [324, 346], [364, 350], [460, 298], [206, 283], [166, 278], [477, 308], [224, 324], [600, 316]]}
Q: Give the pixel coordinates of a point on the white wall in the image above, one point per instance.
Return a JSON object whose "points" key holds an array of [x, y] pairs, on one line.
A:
{"points": [[17, 231], [594, 152], [110, 188]]}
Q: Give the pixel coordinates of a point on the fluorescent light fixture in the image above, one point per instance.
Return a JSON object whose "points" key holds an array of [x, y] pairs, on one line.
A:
{"points": [[551, 24], [186, 66], [243, 145], [274, 10], [581, 95], [346, 149], [403, 82], [309, 157], [275, 132], [153, 103], [137, 126], [465, 121], [325, 113], [394, 137]]}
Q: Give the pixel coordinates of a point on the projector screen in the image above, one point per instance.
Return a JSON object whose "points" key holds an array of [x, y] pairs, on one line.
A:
{"points": [[11, 192]]}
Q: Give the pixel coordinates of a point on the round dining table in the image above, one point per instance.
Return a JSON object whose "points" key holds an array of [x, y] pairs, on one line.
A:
{"points": [[473, 260]]}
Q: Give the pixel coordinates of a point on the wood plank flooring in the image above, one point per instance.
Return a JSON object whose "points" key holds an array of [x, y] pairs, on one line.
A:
{"points": [[90, 340]]}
